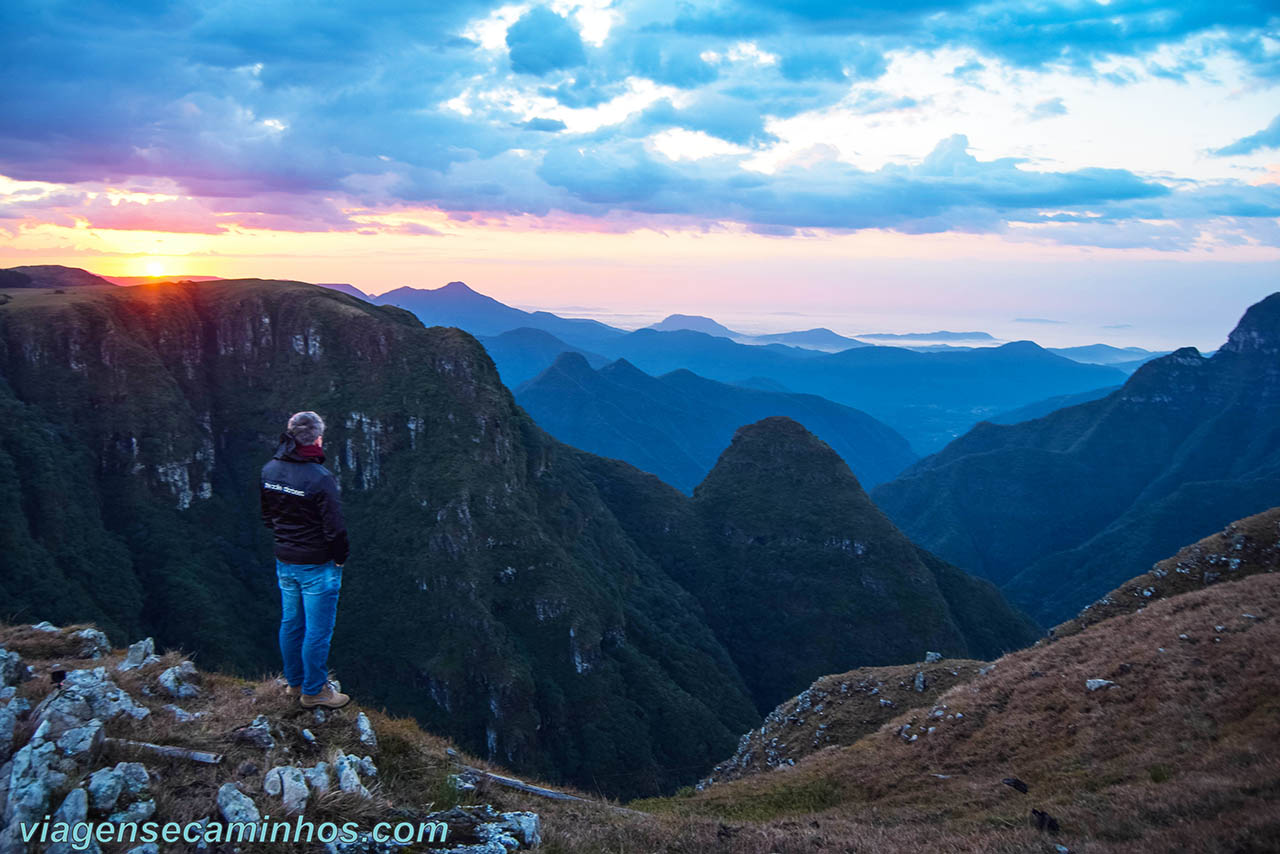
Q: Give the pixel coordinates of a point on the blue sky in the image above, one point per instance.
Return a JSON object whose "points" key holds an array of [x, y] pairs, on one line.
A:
{"points": [[465, 139]]}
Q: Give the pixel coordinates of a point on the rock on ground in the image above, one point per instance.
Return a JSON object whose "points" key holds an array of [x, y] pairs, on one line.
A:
{"points": [[235, 805]]}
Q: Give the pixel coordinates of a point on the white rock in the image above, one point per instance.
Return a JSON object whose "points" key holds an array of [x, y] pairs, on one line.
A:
{"points": [[79, 743], [180, 714], [367, 736], [136, 779], [525, 826], [32, 778], [295, 792], [8, 720], [271, 784], [105, 786], [136, 813], [12, 670], [930, 657], [176, 681], [318, 777], [236, 806], [258, 733], [1095, 684], [74, 811], [88, 694], [46, 626], [140, 654], [366, 767], [346, 768], [94, 644]]}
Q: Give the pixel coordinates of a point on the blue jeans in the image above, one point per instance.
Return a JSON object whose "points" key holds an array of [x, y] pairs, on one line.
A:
{"points": [[309, 605]]}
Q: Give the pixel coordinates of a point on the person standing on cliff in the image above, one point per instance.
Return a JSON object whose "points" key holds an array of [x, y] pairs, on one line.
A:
{"points": [[302, 508]]}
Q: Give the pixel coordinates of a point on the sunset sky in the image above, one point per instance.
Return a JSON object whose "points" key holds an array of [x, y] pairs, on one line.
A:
{"points": [[1068, 170]]}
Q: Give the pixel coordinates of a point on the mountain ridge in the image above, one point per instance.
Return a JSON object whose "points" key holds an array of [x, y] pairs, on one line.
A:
{"points": [[1110, 485]]}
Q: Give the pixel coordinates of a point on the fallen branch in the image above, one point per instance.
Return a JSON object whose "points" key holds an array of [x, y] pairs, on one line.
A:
{"points": [[529, 788], [205, 757]]}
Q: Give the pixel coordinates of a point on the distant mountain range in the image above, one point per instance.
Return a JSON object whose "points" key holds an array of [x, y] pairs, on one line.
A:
{"points": [[929, 398], [675, 426], [1060, 509], [927, 336]]}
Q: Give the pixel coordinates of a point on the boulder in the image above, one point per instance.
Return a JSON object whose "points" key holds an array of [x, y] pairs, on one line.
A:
{"points": [[105, 787], [140, 654], [81, 743], [93, 644], [1095, 684], [46, 626], [136, 813], [8, 720], [12, 670], [85, 695], [33, 777], [931, 657], [137, 782], [235, 805], [74, 811], [176, 681]]}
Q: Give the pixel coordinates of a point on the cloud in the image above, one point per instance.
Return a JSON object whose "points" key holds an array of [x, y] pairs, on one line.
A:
{"points": [[1040, 320], [1117, 326], [541, 124], [1268, 137], [1048, 109], [542, 41], [257, 114]]}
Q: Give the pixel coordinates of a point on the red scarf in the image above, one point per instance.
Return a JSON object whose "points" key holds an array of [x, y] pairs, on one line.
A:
{"points": [[310, 452]]}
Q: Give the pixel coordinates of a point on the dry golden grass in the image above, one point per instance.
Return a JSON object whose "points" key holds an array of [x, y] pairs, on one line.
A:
{"points": [[1182, 749], [840, 709]]}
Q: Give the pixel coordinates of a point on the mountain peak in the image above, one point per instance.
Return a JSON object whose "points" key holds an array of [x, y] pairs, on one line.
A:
{"points": [[457, 288], [1258, 332], [573, 363], [780, 450], [695, 322]]}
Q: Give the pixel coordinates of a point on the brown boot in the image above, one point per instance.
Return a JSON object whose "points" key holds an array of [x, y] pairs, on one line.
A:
{"points": [[292, 690], [326, 699]]}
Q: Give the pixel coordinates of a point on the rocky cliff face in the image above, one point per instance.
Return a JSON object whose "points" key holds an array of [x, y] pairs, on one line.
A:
{"points": [[1063, 508], [490, 592]]}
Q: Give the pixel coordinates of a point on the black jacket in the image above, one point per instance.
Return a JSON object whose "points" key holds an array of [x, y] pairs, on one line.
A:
{"points": [[301, 506]]}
